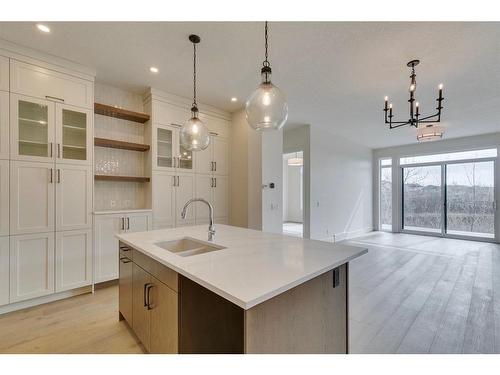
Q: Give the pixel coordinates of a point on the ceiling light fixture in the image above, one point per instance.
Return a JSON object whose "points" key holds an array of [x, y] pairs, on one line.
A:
{"points": [[153, 69], [266, 108], [194, 134], [429, 132], [415, 119], [43, 28], [234, 99]]}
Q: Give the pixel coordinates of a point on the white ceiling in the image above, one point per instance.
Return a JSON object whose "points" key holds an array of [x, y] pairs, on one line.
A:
{"points": [[335, 74]]}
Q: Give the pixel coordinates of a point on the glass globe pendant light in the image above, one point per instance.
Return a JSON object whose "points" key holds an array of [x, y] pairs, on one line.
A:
{"points": [[194, 135], [266, 108]]}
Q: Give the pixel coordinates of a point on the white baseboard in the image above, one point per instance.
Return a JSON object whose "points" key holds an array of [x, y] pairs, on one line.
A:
{"points": [[45, 299], [342, 236]]}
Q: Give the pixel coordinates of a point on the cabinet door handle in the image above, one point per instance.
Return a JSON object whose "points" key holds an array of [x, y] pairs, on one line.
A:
{"points": [[150, 306], [215, 166], [211, 182], [144, 294], [215, 182], [125, 260], [58, 150], [51, 149], [128, 223], [178, 181], [50, 176], [123, 223], [54, 98], [58, 176]]}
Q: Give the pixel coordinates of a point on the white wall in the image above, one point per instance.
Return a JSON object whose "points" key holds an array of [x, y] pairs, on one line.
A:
{"points": [[340, 187], [438, 147]]}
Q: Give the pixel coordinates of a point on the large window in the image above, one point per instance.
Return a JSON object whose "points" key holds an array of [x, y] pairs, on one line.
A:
{"points": [[470, 199], [422, 199], [385, 194], [451, 194]]}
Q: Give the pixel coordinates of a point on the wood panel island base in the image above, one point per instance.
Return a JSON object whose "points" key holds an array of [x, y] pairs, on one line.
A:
{"points": [[212, 303]]}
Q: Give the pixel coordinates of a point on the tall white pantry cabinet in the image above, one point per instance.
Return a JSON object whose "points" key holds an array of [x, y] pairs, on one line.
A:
{"points": [[178, 174], [46, 179]]}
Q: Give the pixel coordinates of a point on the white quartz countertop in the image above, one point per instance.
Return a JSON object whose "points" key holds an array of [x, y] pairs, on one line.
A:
{"points": [[254, 266]]}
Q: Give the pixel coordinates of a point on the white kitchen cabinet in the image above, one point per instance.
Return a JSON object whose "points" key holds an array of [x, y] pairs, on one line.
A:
{"points": [[105, 243], [73, 196], [32, 129], [214, 189], [4, 125], [74, 135], [32, 80], [220, 197], [4, 197], [169, 153], [184, 191], [4, 73], [32, 194], [170, 192], [44, 131], [4, 270], [164, 199], [73, 259], [31, 266], [214, 159], [220, 156]]}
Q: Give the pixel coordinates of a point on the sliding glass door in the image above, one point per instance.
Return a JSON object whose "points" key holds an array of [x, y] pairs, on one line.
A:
{"points": [[450, 198], [422, 199], [470, 199]]}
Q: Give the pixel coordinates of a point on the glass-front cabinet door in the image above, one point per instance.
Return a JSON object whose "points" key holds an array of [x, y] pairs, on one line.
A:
{"points": [[32, 128], [185, 159], [165, 148], [74, 136]]}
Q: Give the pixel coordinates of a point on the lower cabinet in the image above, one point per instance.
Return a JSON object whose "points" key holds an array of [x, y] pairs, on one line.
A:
{"points": [[125, 287], [31, 266], [4, 270], [149, 305], [106, 226], [73, 259]]}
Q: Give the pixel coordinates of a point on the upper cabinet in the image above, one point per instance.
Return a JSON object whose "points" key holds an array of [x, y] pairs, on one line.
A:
{"points": [[41, 130], [4, 125], [4, 73], [170, 154], [47, 84]]}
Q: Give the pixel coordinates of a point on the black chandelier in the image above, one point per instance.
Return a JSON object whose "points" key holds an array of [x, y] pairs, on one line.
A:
{"points": [[415, 118]]}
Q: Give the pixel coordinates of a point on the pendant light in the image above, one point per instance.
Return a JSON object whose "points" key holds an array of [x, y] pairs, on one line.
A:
{"points": [[194, 134], [266, 109]]}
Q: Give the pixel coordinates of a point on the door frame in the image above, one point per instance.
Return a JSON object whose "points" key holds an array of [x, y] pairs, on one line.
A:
{"points": [[443, 233]]}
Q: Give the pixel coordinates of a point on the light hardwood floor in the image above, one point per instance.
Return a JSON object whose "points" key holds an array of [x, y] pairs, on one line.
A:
{"points": [[83, 324], [415, 294], [409, 294]]}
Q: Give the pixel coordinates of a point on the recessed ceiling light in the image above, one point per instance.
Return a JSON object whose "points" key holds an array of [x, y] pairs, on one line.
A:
{"points": [[234, 99], [43, 28], [153, 69]]}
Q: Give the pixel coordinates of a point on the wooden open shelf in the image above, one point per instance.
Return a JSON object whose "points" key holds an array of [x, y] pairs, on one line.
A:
{"points": [[111, 143], [123, 114], [102, 177]]}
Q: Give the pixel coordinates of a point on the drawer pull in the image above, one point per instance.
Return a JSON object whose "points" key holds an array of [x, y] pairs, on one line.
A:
{"points": [[125, 260], [148, 296], [125, 248]]}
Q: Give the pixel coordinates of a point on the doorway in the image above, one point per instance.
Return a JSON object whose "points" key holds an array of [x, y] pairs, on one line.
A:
{"points": [[450, 198], [293, 185]]}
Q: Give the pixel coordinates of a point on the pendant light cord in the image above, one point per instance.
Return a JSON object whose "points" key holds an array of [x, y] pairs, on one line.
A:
{"points": [[194, 75], [266, 61]]}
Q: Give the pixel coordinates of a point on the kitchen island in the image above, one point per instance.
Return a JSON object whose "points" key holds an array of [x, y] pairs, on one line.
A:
{"points": [[245, 292]]}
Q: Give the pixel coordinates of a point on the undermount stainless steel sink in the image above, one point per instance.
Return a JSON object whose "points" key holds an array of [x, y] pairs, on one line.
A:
{"points": [[186, 247]]}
